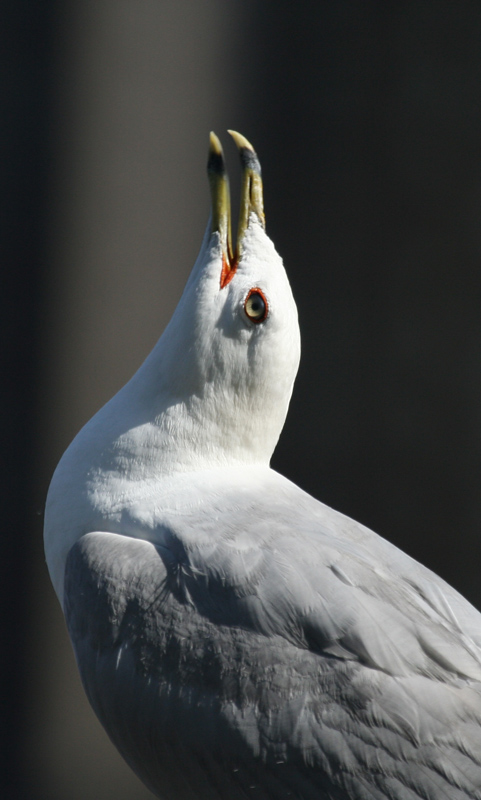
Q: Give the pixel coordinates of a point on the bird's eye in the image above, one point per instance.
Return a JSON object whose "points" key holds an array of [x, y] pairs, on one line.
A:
{"points": [[256, 306]]}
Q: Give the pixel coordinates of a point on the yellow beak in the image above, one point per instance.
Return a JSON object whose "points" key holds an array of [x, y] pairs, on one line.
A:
{"points": [[251, 198]]}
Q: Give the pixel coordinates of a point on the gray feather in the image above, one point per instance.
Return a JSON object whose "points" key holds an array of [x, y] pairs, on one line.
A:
{"points": [[295, 652]]}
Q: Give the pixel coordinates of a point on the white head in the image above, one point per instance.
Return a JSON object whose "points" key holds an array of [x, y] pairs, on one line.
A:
{"points": [[218, 383], [214, 391]]}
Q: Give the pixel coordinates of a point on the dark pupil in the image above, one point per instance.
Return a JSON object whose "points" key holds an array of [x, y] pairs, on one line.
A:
{"points": [[257, 304]]}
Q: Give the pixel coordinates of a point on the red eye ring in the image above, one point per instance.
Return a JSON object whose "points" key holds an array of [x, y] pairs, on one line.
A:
{"points": [[256, 306]]}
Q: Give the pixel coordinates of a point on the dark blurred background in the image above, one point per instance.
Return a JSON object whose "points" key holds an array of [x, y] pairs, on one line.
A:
{"points": [[367, 120]]}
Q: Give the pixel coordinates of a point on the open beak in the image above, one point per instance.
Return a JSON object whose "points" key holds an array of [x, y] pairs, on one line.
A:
{"points": [[251, 199]]}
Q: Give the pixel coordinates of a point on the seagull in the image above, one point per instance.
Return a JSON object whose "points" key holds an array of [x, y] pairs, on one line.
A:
{"points": [[235, 637]]}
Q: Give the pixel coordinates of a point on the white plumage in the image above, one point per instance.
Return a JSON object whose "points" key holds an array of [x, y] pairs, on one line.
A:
{"points": [[237, 638]]}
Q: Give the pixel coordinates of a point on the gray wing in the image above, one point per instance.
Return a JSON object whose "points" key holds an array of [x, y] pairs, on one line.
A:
{"points": [[293, 654]]}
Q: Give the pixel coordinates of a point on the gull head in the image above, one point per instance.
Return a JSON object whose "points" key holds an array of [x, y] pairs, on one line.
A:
{"points": [[221, 376]]}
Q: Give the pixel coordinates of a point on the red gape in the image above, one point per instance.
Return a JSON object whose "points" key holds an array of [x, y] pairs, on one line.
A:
{"points": [[228, 271]]}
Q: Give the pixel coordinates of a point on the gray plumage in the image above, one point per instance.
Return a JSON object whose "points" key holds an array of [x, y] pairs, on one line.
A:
{"points": [[296, 654]]}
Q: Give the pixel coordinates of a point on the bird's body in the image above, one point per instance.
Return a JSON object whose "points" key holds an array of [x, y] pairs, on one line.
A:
{"points": [[237, 638]]}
